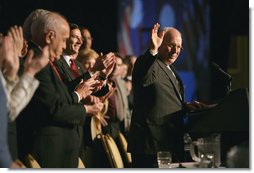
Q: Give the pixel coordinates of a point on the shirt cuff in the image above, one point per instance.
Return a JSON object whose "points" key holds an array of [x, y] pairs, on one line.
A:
{"points": [[79, 98], [153, 52]]}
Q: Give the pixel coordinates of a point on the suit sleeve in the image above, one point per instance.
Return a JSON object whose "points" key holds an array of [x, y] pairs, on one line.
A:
{"points": [[52, 101], [144, 69]]}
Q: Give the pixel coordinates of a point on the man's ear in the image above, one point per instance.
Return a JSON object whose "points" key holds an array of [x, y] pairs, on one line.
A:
{"points": [[50, 36]]}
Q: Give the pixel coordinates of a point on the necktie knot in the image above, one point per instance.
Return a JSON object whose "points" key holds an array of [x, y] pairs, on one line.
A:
{"points": [[74, 68], [71, 62]]}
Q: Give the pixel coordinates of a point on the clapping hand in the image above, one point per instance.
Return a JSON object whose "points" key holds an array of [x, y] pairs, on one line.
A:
{"points": [[16, 33], [104, 62], [34, 63], [93, 105], [9, 57], [85, 88]]}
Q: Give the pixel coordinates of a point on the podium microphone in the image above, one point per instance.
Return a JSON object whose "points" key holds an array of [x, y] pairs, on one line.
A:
{"points": [[228, 78], [217, 67]]}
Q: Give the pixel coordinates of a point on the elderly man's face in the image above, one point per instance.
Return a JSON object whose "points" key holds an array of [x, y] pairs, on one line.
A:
{"points": [[171, 47], [58, 43]]}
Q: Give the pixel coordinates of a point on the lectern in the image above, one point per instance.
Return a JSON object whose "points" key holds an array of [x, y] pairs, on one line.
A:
{"points": [[230, 115]]}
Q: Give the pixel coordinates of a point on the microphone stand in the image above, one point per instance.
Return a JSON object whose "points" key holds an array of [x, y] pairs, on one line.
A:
{"points": [[227, 77]]}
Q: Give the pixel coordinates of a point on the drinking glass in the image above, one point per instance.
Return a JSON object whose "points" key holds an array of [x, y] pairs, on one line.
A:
{"points": [[164, 159]]}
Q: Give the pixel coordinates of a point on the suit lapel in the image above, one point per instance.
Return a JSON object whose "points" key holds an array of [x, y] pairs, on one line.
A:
{"points": [[171, 78], [58, 83], [60, 86], [179, 80], [66, 68]]}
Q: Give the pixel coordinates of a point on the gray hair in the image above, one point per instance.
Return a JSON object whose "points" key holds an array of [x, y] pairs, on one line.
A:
{"points": [[33, 16], [45, 23]]}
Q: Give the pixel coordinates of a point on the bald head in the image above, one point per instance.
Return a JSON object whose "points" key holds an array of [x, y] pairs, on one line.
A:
{"points": [[171, 32]]}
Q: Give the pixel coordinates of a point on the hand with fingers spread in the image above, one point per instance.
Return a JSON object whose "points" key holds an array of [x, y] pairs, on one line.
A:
{"points": [[98, 86], [156, 39], [10, 62], [34, 63], [103, 62], [16, 33], [109, 68], [93, 105], [85, 88]]}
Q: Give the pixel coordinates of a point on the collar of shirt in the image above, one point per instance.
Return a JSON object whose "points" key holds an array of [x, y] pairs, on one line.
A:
{"points": [[67, 58], [171, 71]]}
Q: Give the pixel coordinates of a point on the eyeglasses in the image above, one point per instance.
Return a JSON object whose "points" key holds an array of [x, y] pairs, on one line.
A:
{"points": [[171, 45]]}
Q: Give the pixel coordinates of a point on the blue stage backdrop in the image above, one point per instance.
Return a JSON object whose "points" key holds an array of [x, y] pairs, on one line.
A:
{"points": [[191, 17]]}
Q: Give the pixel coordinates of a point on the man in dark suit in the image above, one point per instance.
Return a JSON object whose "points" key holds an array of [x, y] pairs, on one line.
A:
{"points": [[157, 119], [71, 77], [49, 125], [72, 72]]}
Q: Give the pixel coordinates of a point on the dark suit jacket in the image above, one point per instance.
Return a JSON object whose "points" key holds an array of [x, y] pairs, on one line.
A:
{"points": [[50, 123], [69, 78], [67, 75], [157, 123], [71, 82]]}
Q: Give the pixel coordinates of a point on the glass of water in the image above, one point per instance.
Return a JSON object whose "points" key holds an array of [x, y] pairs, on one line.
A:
{"points": [[164, 159]]}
